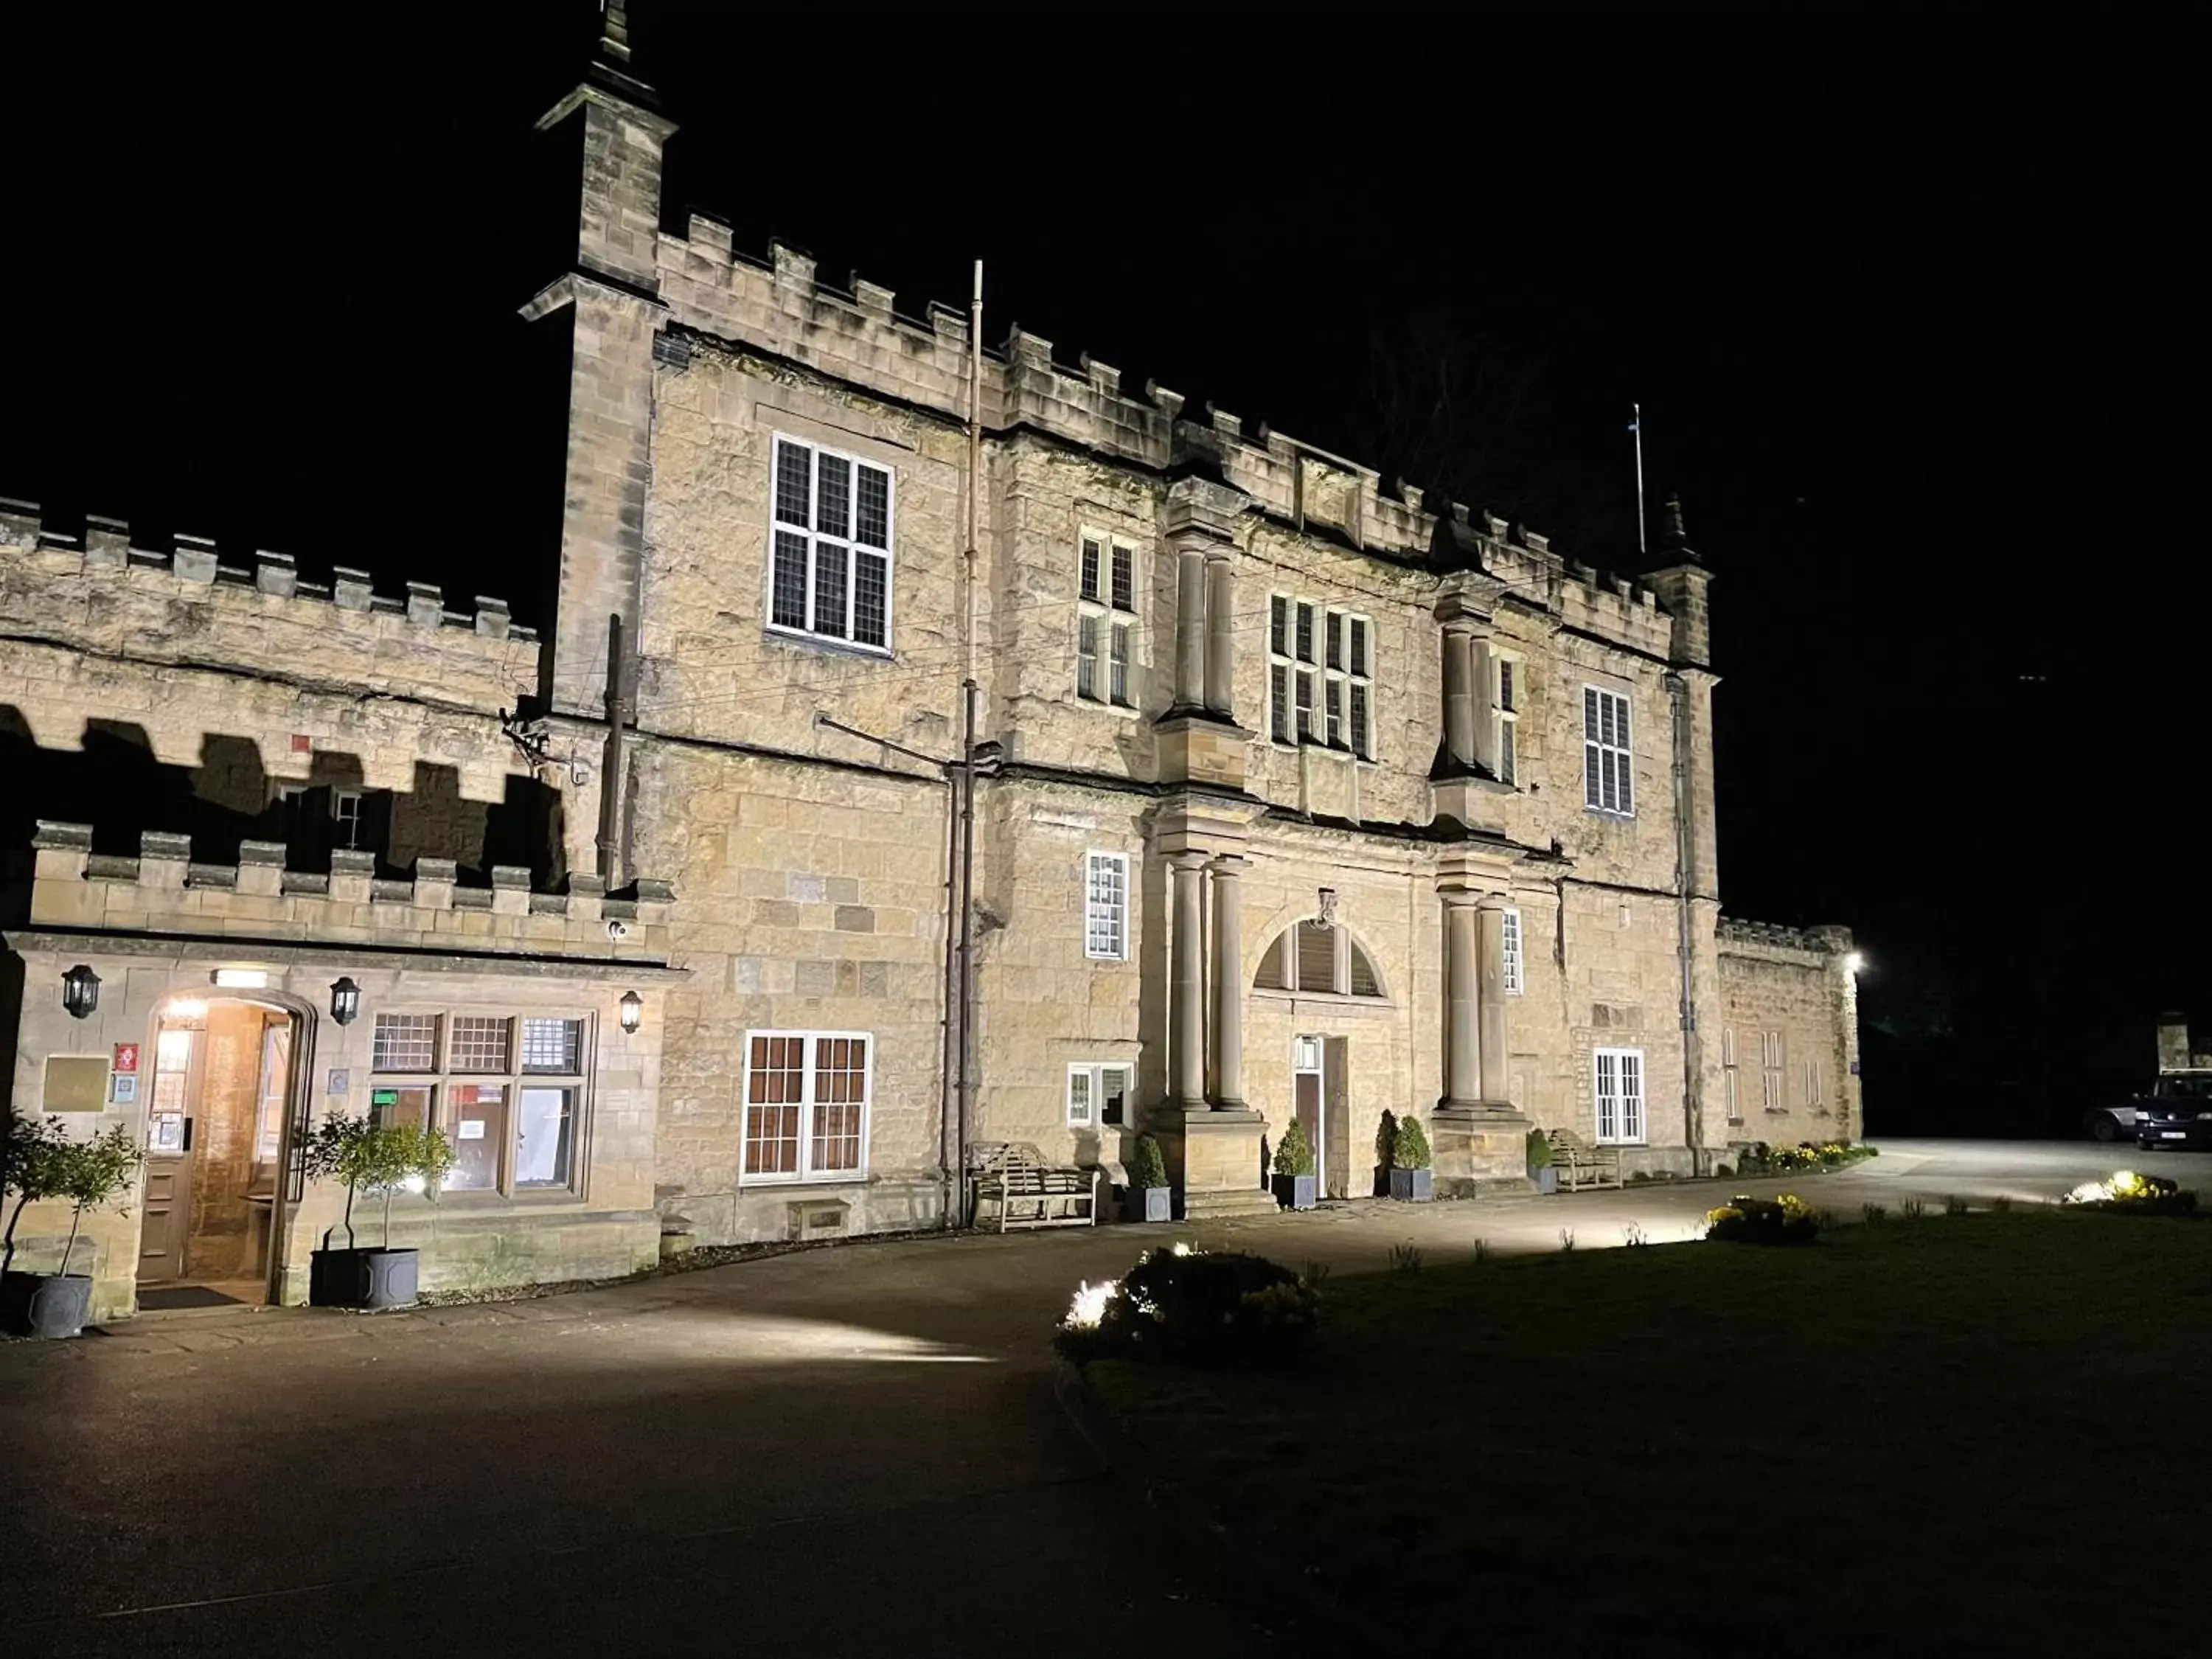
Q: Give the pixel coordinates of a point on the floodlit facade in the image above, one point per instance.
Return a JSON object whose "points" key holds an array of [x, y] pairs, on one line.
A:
{"points": [[1304, 797]]}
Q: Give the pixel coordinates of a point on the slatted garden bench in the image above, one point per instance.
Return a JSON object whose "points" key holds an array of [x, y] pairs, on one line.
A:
{"points": [[1027, 1192], [1580, 1163]]}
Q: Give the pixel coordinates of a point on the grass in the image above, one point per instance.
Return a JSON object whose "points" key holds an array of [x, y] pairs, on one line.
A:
{"points": [[1899, 1439]]}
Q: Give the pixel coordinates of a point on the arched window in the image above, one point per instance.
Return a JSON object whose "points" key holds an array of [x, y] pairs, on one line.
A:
{"points": [[1313, 959]]}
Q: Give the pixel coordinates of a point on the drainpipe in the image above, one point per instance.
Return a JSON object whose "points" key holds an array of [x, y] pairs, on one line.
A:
{"points": [[965, 1092], [1678, 709], [611, 772]]}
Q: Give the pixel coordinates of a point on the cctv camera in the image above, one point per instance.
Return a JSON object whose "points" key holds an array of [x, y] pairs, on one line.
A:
{"points": [[616, 930]]}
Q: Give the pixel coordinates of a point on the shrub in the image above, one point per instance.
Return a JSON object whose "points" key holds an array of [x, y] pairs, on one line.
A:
{"points": [[1406, 1258], [1747, 1220], [44, 1161], [2130, 1194], [1539, 1150], [1874, 1214], [1294, 1154], [1147, 1168], [1199, 1307], [1806, 1156], [1409, 1147], [376, 1158]]}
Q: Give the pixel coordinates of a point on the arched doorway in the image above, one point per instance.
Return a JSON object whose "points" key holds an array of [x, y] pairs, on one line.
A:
{"points": [[222, 1079]]}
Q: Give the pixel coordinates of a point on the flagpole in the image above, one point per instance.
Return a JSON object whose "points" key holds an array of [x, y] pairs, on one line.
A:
{"points": [[1636, 426]]}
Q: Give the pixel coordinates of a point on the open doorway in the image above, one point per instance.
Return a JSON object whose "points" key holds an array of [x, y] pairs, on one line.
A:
{"points": [[1318, 1072], [216, 1113]]}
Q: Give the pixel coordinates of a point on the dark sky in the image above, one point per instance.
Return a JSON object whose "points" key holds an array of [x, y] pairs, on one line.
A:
{"points": [[1912, 303]]}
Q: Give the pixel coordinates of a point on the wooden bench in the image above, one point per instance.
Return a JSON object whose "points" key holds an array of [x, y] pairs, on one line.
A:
{"points": [[1029, 1193], [1581, 1164]]}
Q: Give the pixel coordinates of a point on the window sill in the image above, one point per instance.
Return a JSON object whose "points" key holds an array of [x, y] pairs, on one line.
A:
{"points": [[1126, 710], [1106, 962], [1324, 748], [751, 1183], [829, 643], [1609, 812]]}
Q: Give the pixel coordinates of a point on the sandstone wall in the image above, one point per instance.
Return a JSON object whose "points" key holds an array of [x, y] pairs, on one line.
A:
{"points": [[1780, 981]]}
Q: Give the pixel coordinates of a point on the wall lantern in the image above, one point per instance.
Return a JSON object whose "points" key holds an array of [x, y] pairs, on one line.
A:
{"points": [[633, 1011], [1854, 964], [345, 1000], [80, 991]]}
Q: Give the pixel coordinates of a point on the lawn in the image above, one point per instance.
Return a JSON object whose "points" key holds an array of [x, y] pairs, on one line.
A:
{"points": [[1975, 1431]]}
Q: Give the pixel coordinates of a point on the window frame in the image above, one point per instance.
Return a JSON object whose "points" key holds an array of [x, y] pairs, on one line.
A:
{"points": [[1730, 1084], [1111, 621], [443, 1077], [1515, 941], [1622, 1098], [1093, 1072], [1092, 858], [1595, 748], [1815, 1097], [1313, 686], [1774, 1072], [1508, 666], [849, 542], [1343, 946], [806, 1175]]}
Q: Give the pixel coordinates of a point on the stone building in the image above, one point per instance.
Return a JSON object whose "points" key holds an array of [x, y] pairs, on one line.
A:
{"points": [[1304, 797]]}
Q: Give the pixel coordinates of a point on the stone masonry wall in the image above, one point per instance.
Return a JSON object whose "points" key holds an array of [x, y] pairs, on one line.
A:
{"points": [[1776, 980]]}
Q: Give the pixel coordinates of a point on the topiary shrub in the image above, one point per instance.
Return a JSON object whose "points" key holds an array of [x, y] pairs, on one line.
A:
{"points": [[1148, 1167], [1747, 1220], [1194, 1307], [1409, 1147], [1294, 1153], [1539, 1150]]}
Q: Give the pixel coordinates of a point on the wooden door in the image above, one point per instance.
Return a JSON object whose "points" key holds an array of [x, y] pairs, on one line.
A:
{"points": [[1306, 1095], [166, 1219]]}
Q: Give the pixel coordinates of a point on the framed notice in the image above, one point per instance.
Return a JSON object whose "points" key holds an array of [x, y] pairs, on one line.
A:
{"points": [[126, 1057], [122, 1089]]}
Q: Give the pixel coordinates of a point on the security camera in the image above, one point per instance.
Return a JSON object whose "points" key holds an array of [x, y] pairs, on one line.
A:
{"points": [[618, 930]]}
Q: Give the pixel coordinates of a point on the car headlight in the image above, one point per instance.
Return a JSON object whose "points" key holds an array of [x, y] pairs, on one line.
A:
{"points": [[2204, 1117]]}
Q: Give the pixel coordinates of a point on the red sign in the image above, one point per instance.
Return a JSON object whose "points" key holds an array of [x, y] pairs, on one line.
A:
{"points": [[126, 1056]]}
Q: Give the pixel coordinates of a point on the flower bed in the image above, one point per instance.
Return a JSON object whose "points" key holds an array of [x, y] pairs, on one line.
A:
{"points": [[1199, 1306], [2130, 1194], [1762, 1159], [1747, 1220]]}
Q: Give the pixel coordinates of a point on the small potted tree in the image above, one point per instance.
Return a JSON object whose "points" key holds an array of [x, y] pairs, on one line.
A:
{"points": [[380, 1159], [1294, 1183], [44, 1161], [1150, 1197], [1411, 1176], [1539, 1163]]}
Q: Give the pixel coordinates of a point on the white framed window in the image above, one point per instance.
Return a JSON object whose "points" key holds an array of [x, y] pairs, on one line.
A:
{"points": [[1619, 1077], [1106, 907], [1770, 1071], [1097, 1095], [1106, 621], [1815, 1097], [1608, 755], [1313, 959], [505, 1089], [1513, 973], [1321, 675], [345, 817], [1511, 674], [829, 556], [807, 1098], [1728, 1086]]}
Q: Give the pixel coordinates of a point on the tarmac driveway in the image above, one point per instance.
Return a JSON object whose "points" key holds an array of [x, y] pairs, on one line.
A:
{"points": [[845, 1450]]}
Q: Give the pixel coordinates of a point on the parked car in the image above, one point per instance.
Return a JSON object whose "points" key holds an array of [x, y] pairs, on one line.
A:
{"points": [[2177, 1113], [2111, 1122]]}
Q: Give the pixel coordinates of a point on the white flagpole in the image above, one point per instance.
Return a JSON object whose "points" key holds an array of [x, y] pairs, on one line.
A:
{"points": [[1636, 426]]}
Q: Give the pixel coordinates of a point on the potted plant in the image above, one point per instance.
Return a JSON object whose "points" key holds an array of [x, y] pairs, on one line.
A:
{"points": [[1150, 1197], [371, 1158], [1539, 1163], [44, 1161], [1411, 1177], [1294, 1183]]}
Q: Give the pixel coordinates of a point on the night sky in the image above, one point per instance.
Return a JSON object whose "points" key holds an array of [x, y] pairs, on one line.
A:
{"points": [[1912, 307]]}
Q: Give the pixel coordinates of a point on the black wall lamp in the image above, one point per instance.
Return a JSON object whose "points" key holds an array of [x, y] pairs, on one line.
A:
{"points": [[345, 1000], [80, 991]]}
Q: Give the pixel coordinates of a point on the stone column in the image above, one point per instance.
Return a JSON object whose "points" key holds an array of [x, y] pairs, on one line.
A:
{"points": [[1226, 1035], [1480, 691], [1497, 1084], [1190, 627], [1220, 633], [1463, 1051], [1459, 691], [1187, 986]]}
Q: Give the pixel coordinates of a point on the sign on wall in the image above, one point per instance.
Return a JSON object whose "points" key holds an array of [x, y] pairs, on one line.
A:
{"points": [[126, 1057], [122, 1089]]}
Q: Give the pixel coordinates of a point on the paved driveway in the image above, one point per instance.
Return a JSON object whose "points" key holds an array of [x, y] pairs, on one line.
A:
{"points": [[837, 1452]]}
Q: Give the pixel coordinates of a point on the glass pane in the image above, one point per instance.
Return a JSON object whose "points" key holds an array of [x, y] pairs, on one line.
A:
{"points": [[871, 598], [795, 468], [543, 1136], [1364, 982], [405, 1043], [1359, 646], [1360, 745], [1305, 706], [1334, 627], [788, 609], [276, 1073], [1124, 578], [872, 524], [1078, 1099], [1086, 656], [829, 589], [1090, 589], [1508, 761], [388, 1107], [1590, 714], [1333, 694], [1271, 968], [775, 1086], [1112, 1094], [1279, 636], [833, 495], [1121, 666], [1305, 633], [476, 1125], [1106, 908], [840, 1096], [1505, 684], [1627, 780], [1590, 774], [1279, 697], [480, 1044], [552, 1045]]}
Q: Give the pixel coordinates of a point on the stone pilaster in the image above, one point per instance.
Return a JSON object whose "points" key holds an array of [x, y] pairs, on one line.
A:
{"points": [[1187, 984], [1190, 626], [1463, 1036], [1480, 1141], [1459, 691], [1221, 632], [1495, 1049], [1226, 1033]]}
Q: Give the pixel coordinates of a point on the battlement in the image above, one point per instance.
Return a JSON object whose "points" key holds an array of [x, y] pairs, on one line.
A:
{"points": [[856, 334], [1824, 942], [162, 891], [104, 592]]}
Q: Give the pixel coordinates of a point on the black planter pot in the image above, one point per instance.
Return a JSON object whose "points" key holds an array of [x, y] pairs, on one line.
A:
{"points": [[363, 1278], [1546, 1180], [1416, 1186], [1297, 1192], [1148, 1204], [45, 1304]]}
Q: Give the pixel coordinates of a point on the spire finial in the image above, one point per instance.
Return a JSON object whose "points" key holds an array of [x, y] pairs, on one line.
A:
{"points": [[614, 32], [1674, 534]]}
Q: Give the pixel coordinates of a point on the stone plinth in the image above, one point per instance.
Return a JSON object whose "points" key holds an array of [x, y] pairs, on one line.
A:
{"points": [[1479, 1149], [1204, 750], [1219, 1154]]}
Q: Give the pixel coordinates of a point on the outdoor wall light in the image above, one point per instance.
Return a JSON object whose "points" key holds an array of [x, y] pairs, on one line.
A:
{"points": [[345, 1000], [633, 1011], [80, 991], [1854, 963]]}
